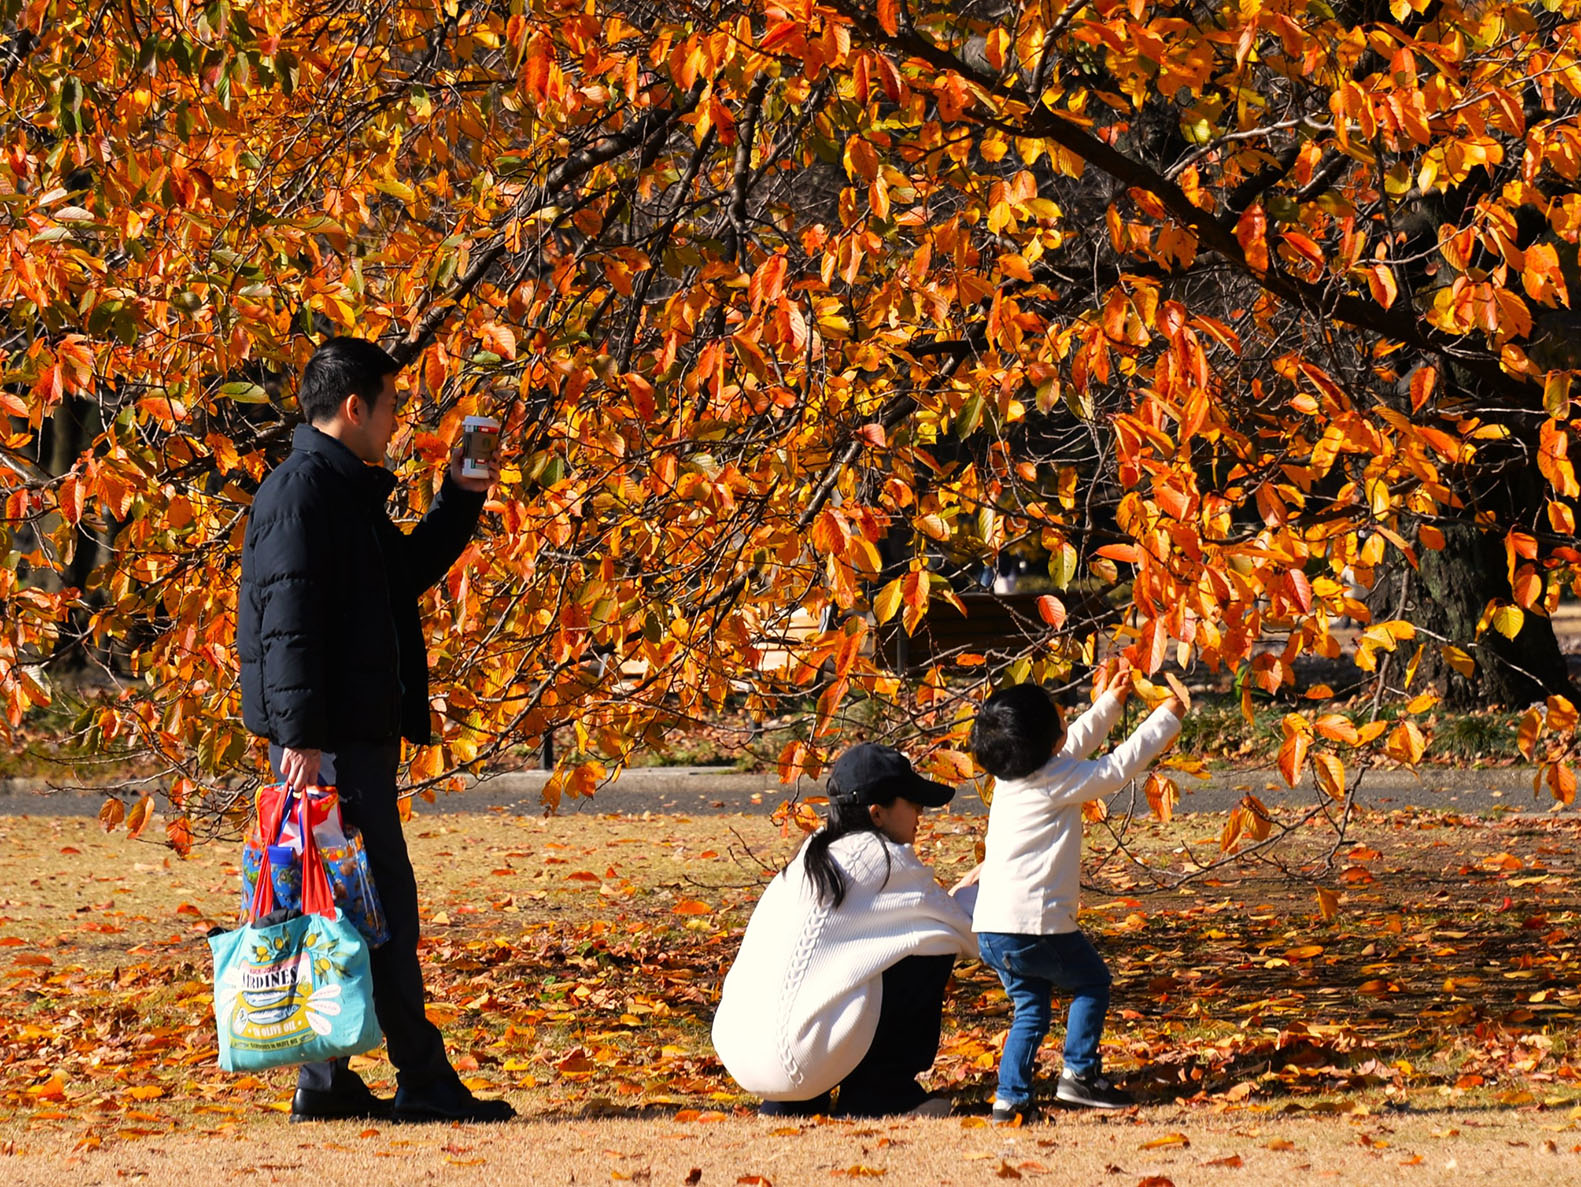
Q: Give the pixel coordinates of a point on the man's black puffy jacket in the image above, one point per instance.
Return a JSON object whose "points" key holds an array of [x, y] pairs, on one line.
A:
{"points": [[327, 629]]}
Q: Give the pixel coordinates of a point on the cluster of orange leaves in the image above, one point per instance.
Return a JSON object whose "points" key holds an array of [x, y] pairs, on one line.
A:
{"points": [[716, 412]]}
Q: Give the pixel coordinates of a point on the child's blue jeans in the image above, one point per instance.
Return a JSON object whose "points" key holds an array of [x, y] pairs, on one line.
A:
{"points": [[1031, 968]]}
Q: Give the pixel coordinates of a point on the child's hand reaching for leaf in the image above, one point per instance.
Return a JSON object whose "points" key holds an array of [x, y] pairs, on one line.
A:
{"points": [[1114, 675]]}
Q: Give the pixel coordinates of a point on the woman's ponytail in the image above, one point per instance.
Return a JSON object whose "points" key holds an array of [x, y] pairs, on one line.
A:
{"points": [[828, 879]]}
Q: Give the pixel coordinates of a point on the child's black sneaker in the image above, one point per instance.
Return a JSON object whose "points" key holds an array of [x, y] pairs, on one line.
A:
{"points": [[1090, 1092], [1008, 1113]]}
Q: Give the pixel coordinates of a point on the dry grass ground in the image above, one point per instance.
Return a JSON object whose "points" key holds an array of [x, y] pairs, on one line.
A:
{"points": [[1425, 1033], [1220, 1151]]}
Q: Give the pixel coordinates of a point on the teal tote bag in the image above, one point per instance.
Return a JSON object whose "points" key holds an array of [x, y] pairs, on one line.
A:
{"points": [[293, 986]]}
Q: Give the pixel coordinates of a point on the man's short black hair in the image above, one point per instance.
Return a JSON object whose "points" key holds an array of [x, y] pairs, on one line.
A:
{"points": [[339, 368], [1017, 730]]}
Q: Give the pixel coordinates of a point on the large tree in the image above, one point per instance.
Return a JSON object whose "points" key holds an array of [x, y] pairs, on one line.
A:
{"points": [[1224, 310]]}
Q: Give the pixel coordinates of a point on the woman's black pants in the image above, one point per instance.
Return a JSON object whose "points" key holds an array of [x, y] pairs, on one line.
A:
{"points": [[904, 1046]]}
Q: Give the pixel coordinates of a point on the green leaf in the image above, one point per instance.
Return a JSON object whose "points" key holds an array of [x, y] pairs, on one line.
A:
{"points": [[1063, 563], [245, 393]]}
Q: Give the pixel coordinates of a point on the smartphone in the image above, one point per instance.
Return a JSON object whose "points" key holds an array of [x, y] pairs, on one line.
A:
{"points": [[480, 440]]}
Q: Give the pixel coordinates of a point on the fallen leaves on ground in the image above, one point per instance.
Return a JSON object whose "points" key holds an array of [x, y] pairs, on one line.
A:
{"points": [[1450, 976]]}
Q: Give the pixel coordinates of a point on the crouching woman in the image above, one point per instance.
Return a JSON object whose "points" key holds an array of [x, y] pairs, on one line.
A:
{"points": [[839, 984]]}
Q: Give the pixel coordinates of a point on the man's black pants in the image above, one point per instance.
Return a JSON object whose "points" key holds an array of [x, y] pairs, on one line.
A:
{"points": [[365, 778], [904, 1046]]}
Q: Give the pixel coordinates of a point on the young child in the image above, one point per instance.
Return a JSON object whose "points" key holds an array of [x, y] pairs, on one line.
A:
{"points": [[1025, 916]]}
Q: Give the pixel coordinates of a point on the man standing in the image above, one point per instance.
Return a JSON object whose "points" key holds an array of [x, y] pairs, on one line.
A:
{"points": [[335, 674]]}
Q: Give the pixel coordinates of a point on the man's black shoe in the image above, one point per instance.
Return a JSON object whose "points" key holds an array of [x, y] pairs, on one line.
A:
{"points": [[448, 1101], [310, 1104]]}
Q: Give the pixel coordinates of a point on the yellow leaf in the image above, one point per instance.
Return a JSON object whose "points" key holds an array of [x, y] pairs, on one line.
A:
{"points": [[1460, 660], [1337, 728], [1293, 751], [1406, 744], [1330, 774], [1232, 830], [1162, 796], [1259, 822], [1410, 668], [1531, 728], [887, 601], [1328, 903], [1562, 780], [1370, 732], [1561, 715], [1169, 1139], [52, 1089], [862, 553], [932, 526], [1508, 620]]}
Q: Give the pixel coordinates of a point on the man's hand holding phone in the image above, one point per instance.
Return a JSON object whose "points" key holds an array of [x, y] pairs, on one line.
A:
{"points": [[474, 463]]}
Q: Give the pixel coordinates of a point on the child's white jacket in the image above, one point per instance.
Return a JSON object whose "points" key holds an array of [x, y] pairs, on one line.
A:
{"points": [[1031, 879], [800, 1005]]}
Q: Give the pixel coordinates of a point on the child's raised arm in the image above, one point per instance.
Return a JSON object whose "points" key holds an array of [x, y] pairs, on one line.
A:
{"points": [[1095, 778], [1112, 684]]}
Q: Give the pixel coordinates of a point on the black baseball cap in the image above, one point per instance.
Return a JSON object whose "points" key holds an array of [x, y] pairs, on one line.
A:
{"points": [[870, 774]]}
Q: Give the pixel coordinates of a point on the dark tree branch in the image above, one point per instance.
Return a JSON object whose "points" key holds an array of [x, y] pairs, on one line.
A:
{"points": [[1215, 234], [653, 126]]}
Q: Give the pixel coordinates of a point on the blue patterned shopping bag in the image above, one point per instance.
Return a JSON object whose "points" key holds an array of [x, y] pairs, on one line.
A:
{"points": [[293, 986]]}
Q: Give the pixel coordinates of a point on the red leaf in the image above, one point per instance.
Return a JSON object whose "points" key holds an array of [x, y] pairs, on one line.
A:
{"points": [[1051, 610]]}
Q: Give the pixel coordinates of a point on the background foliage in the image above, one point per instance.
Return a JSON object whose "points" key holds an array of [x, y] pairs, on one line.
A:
{"points": [[1238, 320]]}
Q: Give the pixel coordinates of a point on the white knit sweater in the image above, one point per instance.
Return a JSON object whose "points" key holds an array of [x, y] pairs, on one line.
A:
{"points": [[800, 1005], [1031, 879]]}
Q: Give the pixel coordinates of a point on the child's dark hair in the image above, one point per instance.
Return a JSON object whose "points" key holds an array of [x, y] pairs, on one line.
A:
{"points": [[826, 875], [1017, 730]]}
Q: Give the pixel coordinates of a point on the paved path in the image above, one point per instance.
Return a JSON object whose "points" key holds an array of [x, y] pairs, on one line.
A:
{"points": [[701, 791]]}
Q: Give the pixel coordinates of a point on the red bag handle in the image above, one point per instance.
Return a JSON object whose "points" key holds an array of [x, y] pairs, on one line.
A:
{"points": [[271, 819], [317, 898]]}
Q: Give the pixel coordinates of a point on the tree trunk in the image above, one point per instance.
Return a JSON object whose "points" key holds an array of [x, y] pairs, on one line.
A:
{"points": [[1451, 588], [74, 426], [1448, 593]]}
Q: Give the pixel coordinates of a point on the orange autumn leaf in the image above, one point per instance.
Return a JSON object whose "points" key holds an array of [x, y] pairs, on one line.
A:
{"points": [[736, 420], [137, 819]]}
